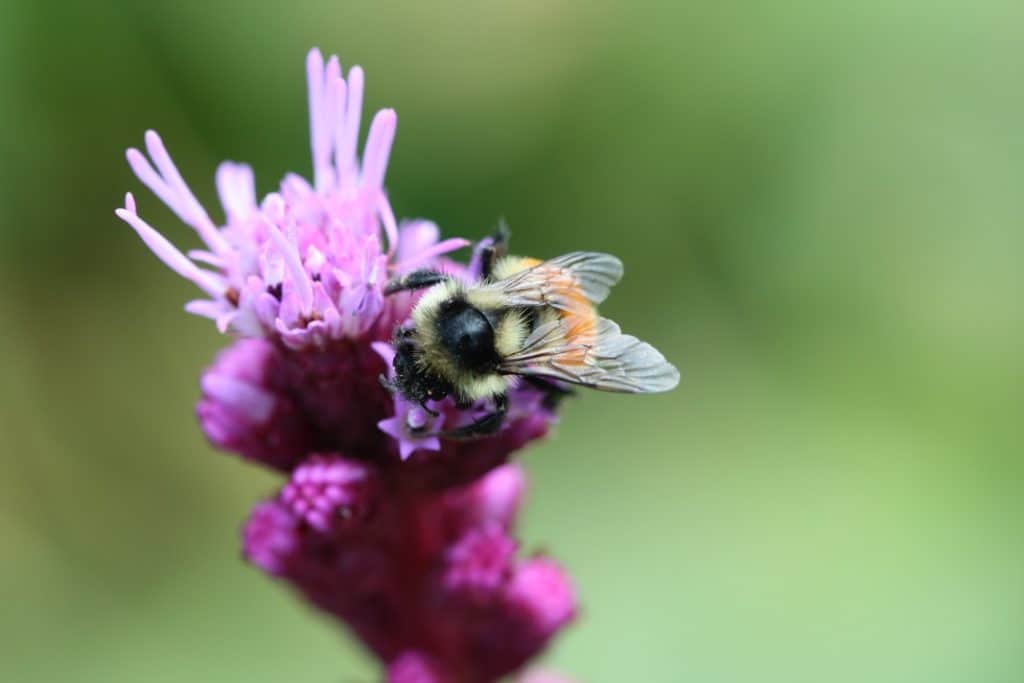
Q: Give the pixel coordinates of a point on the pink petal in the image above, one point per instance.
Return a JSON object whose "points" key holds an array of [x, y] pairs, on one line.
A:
{"points": [[447, 246], [387, 218], [378, 148], [318, 133], [192, 211], [339, 93], [145, 172], [415, 236], [300, 278], [205, 308], [348, 133], [384, 350], [166, 252], [243, 398], [237, 190]]}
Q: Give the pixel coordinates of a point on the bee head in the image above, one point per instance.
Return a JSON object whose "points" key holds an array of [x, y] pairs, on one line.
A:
{"points": [[466, 335], [413, 381]]}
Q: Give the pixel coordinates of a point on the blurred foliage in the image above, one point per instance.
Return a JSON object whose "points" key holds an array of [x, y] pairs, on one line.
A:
{"points": [[820, 209]]}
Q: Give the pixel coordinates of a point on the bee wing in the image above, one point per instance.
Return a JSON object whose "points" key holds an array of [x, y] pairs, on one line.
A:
{"points": [[612, 361], [561, 282]]}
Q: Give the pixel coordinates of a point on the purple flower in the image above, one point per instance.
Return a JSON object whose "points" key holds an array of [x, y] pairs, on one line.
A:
{"points": [[429, 582], [306, 265], [402, 534], [247, 408], [326, 492], [299, 277], [479, 562], [415, 667], [543, 595], [270, 537]]}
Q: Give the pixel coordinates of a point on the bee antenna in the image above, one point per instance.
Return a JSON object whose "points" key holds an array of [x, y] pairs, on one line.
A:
{"points": [[501, 233]]}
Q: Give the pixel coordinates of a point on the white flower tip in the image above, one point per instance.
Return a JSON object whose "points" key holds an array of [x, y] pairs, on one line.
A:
{"points": [[273, 206], [129, 202], [333, 67], [153, 139], [387, 117], [314, 59]]}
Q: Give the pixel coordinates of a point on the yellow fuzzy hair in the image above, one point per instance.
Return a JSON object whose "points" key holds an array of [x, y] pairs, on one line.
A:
{"points": [[510, 333], [510, 265]]}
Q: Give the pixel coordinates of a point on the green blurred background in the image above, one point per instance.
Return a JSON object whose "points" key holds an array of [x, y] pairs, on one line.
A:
{"points": [[820, 207]]}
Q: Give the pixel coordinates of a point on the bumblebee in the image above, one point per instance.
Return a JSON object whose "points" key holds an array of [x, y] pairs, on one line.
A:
{"points": [[524, 319]]}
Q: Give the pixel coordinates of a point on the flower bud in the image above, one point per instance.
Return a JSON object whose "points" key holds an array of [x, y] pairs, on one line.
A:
{"points": [[241, 410], [328, 491], [270, 537], [415, 667], [478, 565]]}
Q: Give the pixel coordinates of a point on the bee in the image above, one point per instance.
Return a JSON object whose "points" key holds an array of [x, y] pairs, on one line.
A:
{"points": [[525, 319]]}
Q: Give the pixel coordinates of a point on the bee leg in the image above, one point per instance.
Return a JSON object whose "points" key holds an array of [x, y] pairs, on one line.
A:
{"points": [[496, 249], [423, 404], [417, 279], [485, 426]]}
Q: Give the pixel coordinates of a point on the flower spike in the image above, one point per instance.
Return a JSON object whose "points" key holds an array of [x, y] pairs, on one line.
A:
{"points": [[403, 534]]}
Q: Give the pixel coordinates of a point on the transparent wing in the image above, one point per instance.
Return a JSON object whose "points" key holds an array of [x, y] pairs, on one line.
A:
{"points": [[610, 361], [564, 283]]}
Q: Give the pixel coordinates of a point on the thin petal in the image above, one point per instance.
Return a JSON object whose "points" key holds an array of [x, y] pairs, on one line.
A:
{"points": [[145, 172], [378, 148], [320, 146], [445, 247], [237, 190], [245, 399], [205, 257], [166, 252], [339, 92], [415, 236], [387, 218], [349, 135], [195, 215], [384, 350], [205, 308], [292, 260]]}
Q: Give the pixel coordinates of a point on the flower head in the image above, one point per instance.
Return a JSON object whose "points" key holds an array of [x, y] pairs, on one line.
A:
{"points": [[307, 264], [299, 276]]}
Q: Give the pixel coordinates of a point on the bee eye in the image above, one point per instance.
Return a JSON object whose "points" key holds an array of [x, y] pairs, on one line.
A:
{"points": [[448, 305]]}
